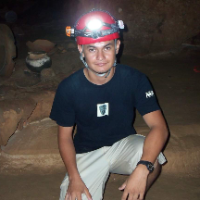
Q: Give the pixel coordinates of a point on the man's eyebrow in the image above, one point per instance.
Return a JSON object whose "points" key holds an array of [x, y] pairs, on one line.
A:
{"points": [[89, 46], [108, 44]]}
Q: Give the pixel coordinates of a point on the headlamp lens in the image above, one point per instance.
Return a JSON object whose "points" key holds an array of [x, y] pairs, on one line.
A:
{"points": [[94, 24]]}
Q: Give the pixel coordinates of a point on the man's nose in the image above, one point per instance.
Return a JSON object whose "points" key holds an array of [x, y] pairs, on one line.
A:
{"points": [[100, 55]]}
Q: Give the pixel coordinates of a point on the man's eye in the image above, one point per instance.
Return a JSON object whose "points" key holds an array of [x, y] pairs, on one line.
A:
{"points": [[107, 48], [91, 50]]}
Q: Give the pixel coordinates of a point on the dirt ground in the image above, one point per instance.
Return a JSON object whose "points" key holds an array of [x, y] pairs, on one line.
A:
{"points": [[46, 187], [178, 90]]}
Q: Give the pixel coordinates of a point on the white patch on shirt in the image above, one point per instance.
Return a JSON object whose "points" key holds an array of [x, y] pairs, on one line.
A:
{"points": [[149, 94], [102, 109]]}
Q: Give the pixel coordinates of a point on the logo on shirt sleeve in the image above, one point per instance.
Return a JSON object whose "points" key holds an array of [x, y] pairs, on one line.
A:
{"points": [[149, 94], [102, 109]]}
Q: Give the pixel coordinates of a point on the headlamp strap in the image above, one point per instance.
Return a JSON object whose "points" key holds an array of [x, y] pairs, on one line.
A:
{"points": [[98, 33], [95, 34]]}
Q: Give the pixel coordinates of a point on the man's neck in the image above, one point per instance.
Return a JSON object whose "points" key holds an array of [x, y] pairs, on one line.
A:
{"points": [[98, 80]]}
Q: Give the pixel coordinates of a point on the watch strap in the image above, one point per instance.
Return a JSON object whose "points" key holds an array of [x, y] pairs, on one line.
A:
{"points": [[148, 164]]}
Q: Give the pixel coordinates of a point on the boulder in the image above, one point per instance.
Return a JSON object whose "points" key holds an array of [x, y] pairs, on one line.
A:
{"points": [[7, 51], [182, 150], [35, 147], [44, 101], [13, 114], [40, 45], [17, 113]]}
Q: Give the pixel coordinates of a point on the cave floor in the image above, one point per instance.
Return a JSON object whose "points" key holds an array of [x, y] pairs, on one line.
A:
{"points": [[46, 187]]}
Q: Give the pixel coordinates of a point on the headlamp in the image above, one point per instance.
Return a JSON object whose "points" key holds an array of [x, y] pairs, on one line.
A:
{"points": [[69, 31], [120, 24], [94, 24]]}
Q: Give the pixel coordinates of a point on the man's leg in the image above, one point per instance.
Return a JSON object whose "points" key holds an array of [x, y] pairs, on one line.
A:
{"points": [[94, 171], [154, 175], [125, 155]]}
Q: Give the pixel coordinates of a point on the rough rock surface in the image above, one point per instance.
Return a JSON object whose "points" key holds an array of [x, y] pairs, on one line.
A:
{"points": [[35, 147], [13, 113], [17, 113], [7, 51], [182, 150], [44, 101], [152, 26]]}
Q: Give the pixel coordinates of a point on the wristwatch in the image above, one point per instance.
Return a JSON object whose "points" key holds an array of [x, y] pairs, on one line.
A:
{"points": [[148, 164]]}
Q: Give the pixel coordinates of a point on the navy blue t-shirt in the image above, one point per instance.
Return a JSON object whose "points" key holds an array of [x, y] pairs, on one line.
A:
{"points": [[103, 114]]}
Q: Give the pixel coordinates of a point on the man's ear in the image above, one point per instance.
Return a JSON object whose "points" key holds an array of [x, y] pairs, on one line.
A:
{"points": [[80, 49], [118, 46]]}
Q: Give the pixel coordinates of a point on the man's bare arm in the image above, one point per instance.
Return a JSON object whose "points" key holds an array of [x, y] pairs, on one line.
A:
{"points": [[135, 186], [157, 136], [67, 151]]}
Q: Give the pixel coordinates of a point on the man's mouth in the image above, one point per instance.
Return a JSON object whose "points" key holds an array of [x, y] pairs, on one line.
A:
{"points": [[101, 64]]}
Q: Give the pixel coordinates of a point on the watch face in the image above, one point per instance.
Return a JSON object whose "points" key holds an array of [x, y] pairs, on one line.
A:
{"points": [[148, 164], [150, 167]]}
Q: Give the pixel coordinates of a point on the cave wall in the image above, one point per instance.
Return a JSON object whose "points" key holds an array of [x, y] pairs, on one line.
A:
{"points": [[152, 26]]}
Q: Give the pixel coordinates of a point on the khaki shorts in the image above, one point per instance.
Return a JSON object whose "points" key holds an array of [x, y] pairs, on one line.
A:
{"points": [[95, 166]]}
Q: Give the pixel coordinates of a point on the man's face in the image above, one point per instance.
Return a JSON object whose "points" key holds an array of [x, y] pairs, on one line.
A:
{"points": [[100, 56]]}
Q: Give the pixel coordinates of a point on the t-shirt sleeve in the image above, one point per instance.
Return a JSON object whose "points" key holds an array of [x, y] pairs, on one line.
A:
{"points": [[145, 98], [62, 110]]}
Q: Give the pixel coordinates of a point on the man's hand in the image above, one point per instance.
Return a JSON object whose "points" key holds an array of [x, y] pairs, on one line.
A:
{"points": [[76, 189], [135, 186]]}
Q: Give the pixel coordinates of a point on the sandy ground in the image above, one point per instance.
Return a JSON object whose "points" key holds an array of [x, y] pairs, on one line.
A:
{"points": [[46, 187]]}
